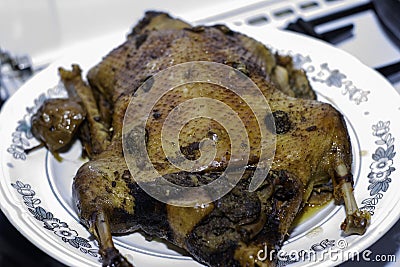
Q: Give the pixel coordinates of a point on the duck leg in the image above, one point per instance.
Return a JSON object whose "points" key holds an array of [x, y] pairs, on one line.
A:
{"points": [[356, 221], [110, 255]]}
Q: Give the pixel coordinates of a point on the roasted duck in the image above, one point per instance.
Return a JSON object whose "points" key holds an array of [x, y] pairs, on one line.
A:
{"points": [[312, 158]]}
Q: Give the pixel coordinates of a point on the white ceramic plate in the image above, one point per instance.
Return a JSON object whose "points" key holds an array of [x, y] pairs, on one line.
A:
{"points": [[35, 189]]}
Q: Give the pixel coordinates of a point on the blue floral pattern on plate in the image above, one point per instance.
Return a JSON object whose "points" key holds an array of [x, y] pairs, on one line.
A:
{"points": [[331, 77], [381, 168], [58, 227]]}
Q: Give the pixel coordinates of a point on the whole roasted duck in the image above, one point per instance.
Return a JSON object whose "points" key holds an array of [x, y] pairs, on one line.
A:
{"points": [[312, 159]]}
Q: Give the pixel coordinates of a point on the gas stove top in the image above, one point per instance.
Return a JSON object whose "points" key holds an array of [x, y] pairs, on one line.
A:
{"points": [[362, 28]]}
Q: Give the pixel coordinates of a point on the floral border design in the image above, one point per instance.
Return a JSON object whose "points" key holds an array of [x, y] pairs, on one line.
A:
{"points": [[331, 77], [382, 167], [58, 227], [22, 135]]}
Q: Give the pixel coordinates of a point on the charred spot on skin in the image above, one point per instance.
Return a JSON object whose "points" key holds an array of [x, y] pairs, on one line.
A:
{"points": [[156, 114], [196, 29], [191, 179], [282, 122], [284, 187], [150, 15], [240, 206], [191, 151], [108, 190], [126, 176], [146, 136], [140, 40], [241, 67], [284, 193], [311, 128], [148, 212], [224, 29], [224, 237]]}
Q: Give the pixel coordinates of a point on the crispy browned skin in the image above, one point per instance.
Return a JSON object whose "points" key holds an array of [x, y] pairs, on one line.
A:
{"points": [[312, 148]]}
